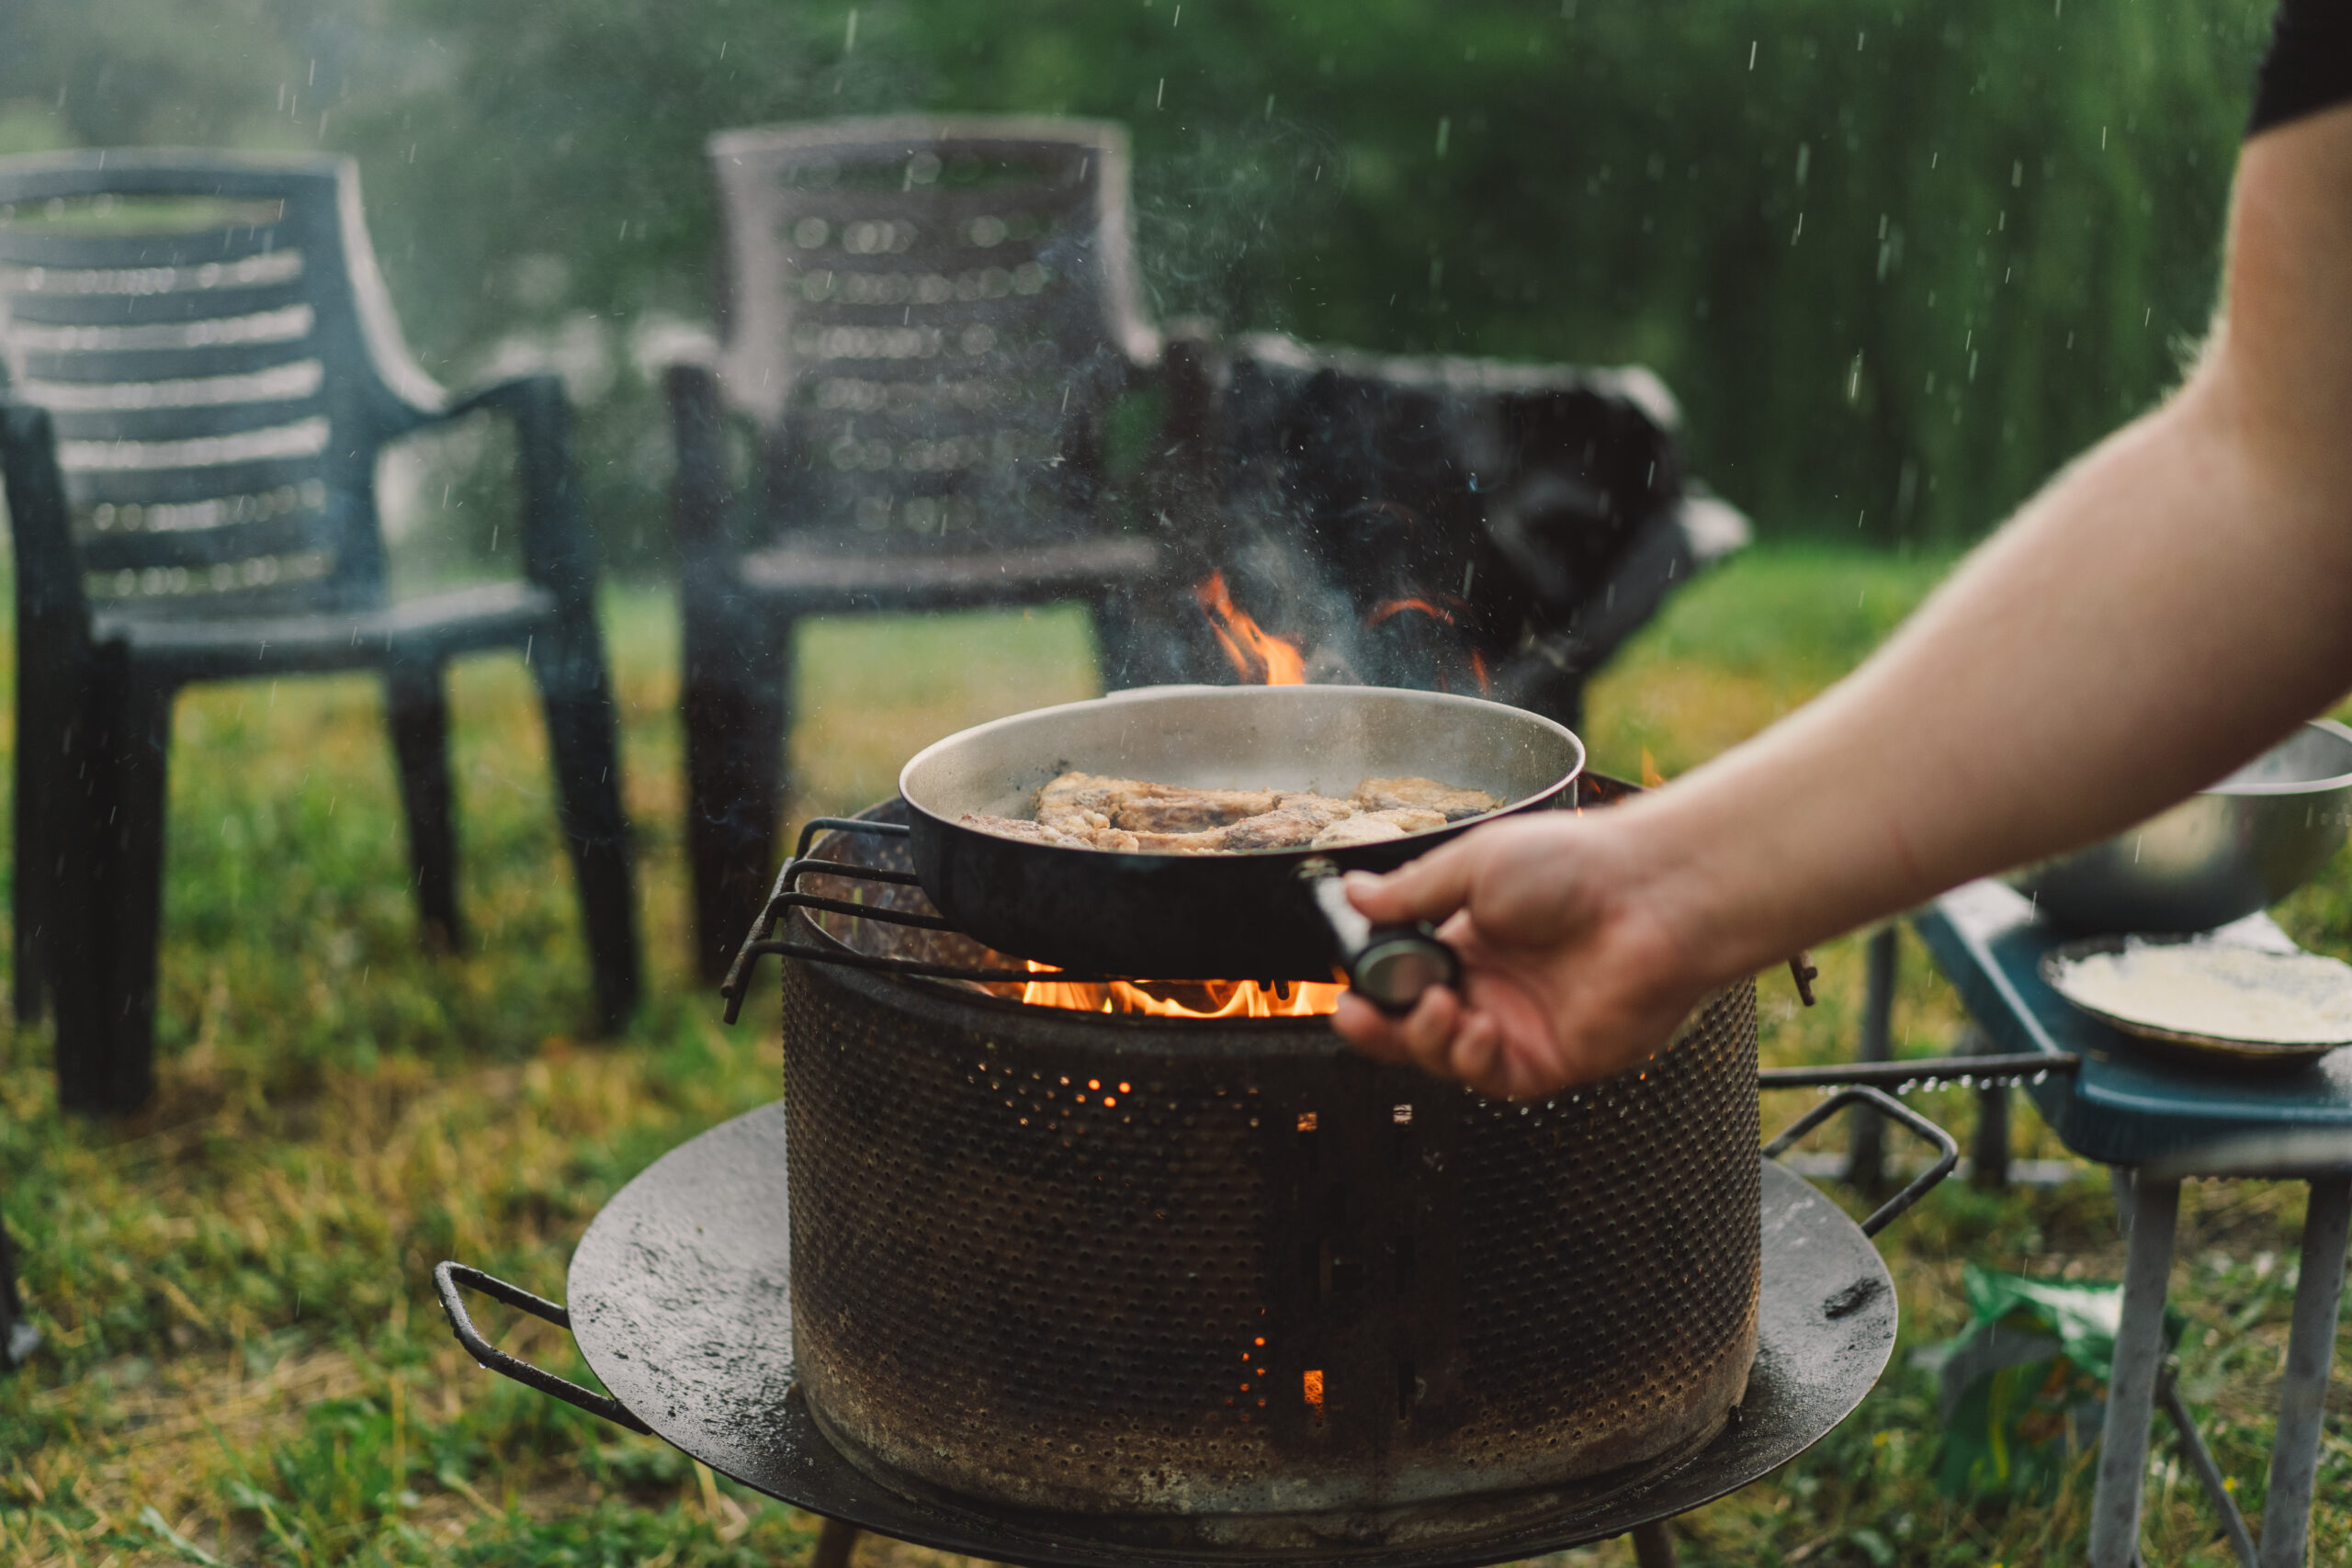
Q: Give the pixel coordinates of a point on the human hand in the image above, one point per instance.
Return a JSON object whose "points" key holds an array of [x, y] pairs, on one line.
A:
{"points": [[1571, 970]]}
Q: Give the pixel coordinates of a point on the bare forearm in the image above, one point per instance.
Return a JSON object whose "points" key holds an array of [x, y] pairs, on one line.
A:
{"points": [[2176, 601], [2166, 608]]}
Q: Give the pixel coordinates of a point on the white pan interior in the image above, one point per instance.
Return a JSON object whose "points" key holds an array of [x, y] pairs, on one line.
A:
{"points": [[1298, 737]]}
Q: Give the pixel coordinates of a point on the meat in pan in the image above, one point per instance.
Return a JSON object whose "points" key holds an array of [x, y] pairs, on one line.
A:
{"points": [[1134, 816]]}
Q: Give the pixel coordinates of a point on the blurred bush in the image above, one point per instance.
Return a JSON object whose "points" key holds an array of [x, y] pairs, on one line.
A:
{"points": [[1899, 260]]}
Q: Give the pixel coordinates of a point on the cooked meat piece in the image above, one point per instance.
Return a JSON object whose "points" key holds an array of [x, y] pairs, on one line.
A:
{"points": [[1163, 808], [1030, 832], [1134, 815], [1374, 827], [1290, 826], [1208, 841], [1294, 823], [1428, 794], [1077, 802]]}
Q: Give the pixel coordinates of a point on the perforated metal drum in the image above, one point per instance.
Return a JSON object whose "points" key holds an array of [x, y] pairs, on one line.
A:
{"points": [[1228, 1274]]}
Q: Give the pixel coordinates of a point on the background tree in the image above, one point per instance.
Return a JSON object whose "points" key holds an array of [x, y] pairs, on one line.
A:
{"points": [[1899, 260]]}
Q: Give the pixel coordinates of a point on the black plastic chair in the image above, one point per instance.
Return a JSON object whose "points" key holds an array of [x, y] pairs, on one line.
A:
{"points": [[925, 321], [203, 365]]}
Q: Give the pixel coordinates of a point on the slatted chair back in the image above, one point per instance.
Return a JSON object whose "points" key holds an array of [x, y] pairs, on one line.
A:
{"points": [[924, 318], [211, 338]]}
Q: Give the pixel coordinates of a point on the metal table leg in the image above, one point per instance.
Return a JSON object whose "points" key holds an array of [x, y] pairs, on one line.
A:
{"points": [[2208, 1473], [2139, 1358], [2310, 1344], [1989, 1155], [1866, 1155], [1654, 1545], [835, 1542]]}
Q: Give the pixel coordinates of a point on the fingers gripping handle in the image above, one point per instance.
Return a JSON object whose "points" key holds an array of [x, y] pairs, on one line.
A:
{"points": [[1389, 967]]}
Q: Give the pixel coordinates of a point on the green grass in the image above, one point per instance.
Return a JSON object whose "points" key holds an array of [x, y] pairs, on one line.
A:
{"points": [[243, 1362]]}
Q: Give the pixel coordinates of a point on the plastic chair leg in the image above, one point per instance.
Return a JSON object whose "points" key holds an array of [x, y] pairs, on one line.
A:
{"points": [[41, 733], [737, 718], [416, 705], [583, 742], [106, 1031]]}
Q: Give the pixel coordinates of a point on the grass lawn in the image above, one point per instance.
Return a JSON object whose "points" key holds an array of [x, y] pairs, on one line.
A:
{"points": [[243, 1362]]}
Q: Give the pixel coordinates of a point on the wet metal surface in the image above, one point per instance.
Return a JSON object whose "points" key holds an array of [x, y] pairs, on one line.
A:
{"points": [[680, 1300]]}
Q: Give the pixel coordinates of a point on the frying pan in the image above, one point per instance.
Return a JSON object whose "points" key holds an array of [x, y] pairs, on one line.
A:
{"points": [[1272, 916]]}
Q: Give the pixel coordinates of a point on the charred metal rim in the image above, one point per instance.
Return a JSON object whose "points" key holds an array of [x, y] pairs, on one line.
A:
{"points": [[679, 1300]]}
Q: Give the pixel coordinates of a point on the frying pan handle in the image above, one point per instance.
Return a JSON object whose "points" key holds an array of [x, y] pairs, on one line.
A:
{"points": [[1389, 967]]}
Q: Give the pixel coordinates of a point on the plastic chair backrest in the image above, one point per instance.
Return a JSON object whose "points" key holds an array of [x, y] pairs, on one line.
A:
{"points": [[213, 342], [924, 317]]}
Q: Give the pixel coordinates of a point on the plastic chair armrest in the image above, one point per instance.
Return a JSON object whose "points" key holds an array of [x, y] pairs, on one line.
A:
{"points": [[558, 554], [49, 571], [698, 487]]}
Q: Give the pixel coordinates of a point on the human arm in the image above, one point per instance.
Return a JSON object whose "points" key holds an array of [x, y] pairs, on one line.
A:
{"points": [[2171, 603]]}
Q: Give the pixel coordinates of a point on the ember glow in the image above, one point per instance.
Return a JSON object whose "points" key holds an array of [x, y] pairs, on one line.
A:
{"points": [[1185, 999], [1263, 659], [1398, 606]]}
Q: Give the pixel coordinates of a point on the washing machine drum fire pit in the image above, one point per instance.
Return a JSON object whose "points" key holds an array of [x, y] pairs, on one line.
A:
{"points": [[1227, 1274]]}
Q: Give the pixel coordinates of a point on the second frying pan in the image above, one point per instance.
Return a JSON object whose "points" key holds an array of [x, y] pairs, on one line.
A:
{"points": [[1202, 917]]}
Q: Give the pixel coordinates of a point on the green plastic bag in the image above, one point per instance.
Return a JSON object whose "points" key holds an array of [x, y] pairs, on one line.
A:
{"points": [[2025, 1388]]}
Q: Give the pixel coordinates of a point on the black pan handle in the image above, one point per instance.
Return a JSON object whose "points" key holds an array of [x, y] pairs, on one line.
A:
{"points": [[1926, 1132], [448, 1277], [1389, 967]]}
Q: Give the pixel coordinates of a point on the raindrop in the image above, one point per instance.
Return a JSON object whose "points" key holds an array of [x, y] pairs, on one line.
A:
{"points": [[1444, 129], [849, 37]]}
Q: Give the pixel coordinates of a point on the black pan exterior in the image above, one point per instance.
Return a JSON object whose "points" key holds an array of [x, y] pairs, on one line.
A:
{"points": [[1201, 916]]}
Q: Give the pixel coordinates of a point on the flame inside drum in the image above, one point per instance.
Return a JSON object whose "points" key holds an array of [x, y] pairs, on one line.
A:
{"points": [[1263, 659], [1185, 999]]}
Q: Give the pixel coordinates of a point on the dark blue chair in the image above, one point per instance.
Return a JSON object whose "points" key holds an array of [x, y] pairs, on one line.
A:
{"points": [[201, 367]]}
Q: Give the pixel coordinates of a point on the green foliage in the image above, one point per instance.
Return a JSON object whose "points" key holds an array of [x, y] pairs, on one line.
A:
{"points": [[1899, 260]]}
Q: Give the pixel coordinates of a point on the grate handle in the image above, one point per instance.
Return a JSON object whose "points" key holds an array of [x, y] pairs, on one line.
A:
{"points": [[447, 1279], [1912, 1122], [747, 957]]}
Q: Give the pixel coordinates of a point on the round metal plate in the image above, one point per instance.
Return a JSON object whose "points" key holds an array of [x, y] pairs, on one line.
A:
{"points": [[680, 1302]]}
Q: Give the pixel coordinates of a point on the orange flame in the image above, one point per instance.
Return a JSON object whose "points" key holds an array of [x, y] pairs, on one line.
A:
{"points": [[1478, 667], [1184, 998], [1261, 658], [1398, 606]]}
